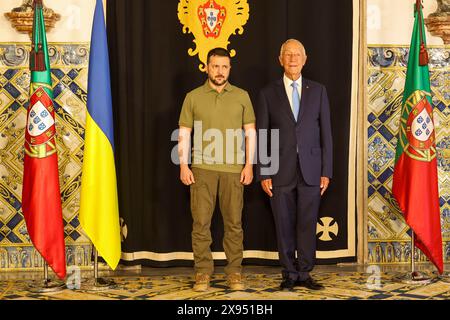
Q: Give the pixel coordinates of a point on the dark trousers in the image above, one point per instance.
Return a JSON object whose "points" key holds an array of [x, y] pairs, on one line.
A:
{"points": [[295, 208]]}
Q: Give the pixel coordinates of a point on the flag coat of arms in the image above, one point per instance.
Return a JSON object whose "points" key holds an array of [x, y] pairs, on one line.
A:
{"points": [[415, 181], [41, 200]]}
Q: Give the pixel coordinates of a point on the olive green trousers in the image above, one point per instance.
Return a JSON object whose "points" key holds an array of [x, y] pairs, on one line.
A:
{"points": [[208, 185]]}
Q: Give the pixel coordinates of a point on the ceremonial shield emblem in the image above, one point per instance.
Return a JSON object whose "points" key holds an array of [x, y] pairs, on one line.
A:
{"points": [[419, 139], [40, 130], [39, 121], [212, 17], [212, 23], [420, 126]]}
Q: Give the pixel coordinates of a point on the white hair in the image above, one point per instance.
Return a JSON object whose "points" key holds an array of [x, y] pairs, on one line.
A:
{"points": [[302, 47]]}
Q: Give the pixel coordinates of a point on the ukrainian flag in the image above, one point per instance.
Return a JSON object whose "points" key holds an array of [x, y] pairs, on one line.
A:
{"points": [[99, 210]]}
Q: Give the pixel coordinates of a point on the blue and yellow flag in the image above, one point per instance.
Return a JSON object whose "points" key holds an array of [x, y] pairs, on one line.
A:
{"points": [[99, 210]]}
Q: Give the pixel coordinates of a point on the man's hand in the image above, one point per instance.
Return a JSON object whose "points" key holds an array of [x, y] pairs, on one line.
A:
{"points": [[324, 182], [186, 175], [247, 175], [267, 186]]}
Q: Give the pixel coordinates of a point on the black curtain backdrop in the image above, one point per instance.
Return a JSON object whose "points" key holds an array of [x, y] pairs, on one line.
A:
{"points": [[151, 72]]}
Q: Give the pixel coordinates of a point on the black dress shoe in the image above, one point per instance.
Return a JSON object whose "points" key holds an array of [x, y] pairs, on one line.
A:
{"points": [[309, 283], [287, 284]]}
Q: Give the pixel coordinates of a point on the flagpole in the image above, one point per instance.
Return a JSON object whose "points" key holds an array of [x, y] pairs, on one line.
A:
{"points": [[414, 277], [46, 272], [47, 285], [445, 276], [98, 283], [413, 255], [95, 264]]}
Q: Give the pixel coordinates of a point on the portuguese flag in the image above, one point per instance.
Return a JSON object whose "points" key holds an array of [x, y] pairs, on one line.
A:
{"points": [[415, 184], [41, 201]]}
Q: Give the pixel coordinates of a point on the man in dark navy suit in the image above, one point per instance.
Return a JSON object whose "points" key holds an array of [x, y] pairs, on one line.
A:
{"points": [[299, 109]]}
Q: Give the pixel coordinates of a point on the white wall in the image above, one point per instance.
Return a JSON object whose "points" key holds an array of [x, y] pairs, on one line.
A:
{"points": [[388, 21], [391, 21], [75, 24]]}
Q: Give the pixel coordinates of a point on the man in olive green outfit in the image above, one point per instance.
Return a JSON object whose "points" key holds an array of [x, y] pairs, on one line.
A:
{"points": [[217, 111]]}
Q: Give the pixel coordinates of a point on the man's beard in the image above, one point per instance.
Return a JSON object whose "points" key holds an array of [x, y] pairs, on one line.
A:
{"points": [[220, 82]]}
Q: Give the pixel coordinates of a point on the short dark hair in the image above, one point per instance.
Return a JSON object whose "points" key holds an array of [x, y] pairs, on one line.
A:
{"points": [[221, 52]]}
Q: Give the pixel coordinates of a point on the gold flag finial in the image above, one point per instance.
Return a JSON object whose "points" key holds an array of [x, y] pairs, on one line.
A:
{"points": [[22, 17]]}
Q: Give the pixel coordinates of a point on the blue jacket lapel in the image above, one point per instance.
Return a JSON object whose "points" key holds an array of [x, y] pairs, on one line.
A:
{"points": [[303, 99], [285, 107]]}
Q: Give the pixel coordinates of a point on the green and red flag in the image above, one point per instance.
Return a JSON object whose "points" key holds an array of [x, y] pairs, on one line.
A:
{"points": [[415, 184], [41, 200]]}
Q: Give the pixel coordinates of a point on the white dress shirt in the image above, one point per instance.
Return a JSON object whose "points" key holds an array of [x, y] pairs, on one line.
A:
{"points": [[289, 89]]}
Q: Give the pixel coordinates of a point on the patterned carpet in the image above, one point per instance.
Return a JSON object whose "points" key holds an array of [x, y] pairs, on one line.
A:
{"points": [[338, 286]]}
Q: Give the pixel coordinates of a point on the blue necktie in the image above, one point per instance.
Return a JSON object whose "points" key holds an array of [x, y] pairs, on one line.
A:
{"points": [[295, 100]]}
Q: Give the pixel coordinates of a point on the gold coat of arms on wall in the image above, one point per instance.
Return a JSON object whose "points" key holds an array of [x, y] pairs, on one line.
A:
{"points": [[212, 22]]}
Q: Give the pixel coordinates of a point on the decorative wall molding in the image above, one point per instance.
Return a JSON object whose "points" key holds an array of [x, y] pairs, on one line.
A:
{"points": [[22, 18], [438, 22]]}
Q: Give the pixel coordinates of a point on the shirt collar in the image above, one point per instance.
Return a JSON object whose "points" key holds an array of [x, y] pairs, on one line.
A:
{"points": [[288, 82], [208, 88]]}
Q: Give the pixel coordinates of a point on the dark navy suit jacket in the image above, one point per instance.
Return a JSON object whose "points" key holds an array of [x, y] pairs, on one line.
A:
{"points": [[310, 135]]}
